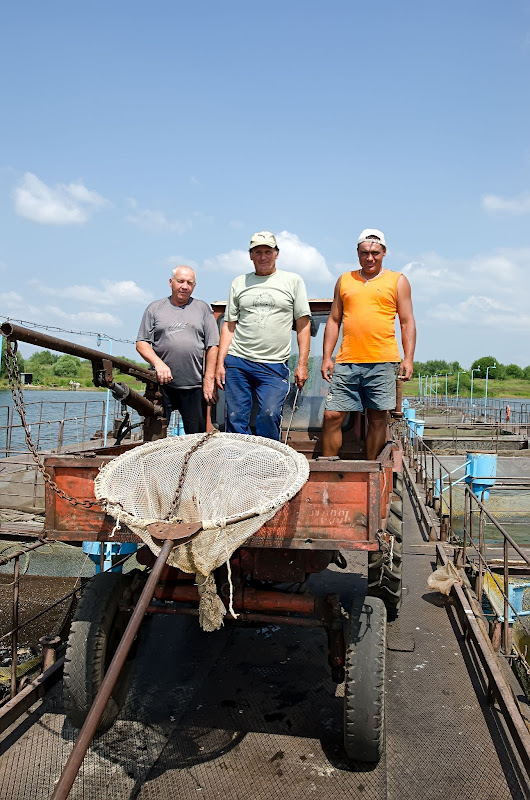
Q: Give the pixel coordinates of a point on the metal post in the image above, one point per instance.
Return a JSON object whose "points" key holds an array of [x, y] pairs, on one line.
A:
{"points": [[14, 635], [477, 369], [494, 366], [60, 436], [479, 586], [101, 338], [458, 382], [506, 630]]}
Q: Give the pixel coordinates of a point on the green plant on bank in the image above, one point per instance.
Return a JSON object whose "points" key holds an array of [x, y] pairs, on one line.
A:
{"points": [[511, 387]]}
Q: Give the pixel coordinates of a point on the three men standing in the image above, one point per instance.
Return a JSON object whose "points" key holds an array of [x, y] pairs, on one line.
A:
{"points": [[255, 344], [256, 340], [366, 302], [175, 333]]}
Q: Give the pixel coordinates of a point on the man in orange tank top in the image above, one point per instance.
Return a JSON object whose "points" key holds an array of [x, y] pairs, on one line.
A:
{"points": [[363, 375]]}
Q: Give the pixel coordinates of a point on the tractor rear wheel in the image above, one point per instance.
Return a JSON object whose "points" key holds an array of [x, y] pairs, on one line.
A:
{"points": [[97, 628], [364, 685]]}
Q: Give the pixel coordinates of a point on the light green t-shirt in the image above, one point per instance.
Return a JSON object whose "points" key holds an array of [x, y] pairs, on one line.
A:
{"points": [[264, 309]]}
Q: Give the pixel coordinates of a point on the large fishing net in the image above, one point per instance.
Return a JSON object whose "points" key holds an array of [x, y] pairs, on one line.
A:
{"points": [[231, 483]]}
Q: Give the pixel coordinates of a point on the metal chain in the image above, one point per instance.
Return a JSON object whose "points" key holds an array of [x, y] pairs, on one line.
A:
{"points": [[15, 384], [173, 508], [386, 544]]}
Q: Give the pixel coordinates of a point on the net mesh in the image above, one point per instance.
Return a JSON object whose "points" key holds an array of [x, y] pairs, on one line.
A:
{"points": [[228, 475]]}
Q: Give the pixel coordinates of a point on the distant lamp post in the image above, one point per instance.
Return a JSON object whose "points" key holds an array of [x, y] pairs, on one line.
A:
{"points": [[100, 339], [477, 369], [492, 366], [436, 390], [446, 375], [458, 382]]}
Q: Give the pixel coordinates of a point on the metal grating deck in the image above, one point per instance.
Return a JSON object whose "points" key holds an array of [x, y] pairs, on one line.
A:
{"points": [[253, 713]]}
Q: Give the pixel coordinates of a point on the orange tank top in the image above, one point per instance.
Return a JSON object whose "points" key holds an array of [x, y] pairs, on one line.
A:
{"points": [[369, 311]]}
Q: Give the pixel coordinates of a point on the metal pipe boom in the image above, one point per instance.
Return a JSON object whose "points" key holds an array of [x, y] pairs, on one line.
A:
{"points": [[19, 333]]}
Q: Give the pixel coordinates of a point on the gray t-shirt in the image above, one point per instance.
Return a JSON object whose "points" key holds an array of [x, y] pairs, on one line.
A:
{"points": [[264, 308], [179, 335]]}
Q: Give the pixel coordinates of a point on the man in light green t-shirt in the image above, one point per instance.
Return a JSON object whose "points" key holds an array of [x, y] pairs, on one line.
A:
{"points": [[256, 340]]}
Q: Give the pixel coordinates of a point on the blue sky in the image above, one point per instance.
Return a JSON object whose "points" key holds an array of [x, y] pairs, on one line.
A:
{"points": [[138, 136]]}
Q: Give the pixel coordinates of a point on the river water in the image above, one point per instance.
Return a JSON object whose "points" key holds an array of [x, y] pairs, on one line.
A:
{"points": [[74, 415]]}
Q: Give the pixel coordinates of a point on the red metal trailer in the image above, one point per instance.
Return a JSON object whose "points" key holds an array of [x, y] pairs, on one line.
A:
{"points": [[346, 505]]}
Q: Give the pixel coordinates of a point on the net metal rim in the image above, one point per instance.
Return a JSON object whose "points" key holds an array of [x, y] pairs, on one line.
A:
{"points": [[114, 507]]}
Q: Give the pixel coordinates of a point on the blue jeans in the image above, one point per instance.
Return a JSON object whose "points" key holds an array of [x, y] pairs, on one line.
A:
{"points": [[270, 382]]}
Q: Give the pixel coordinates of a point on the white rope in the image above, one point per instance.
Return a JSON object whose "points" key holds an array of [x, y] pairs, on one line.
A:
{"points": [[229, 568], [117, 526]]}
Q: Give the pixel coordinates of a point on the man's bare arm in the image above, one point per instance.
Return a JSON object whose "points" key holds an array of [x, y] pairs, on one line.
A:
{"points": [[208, 384], [163, 373], [408, 327], [303, 335], [227, 334], [331, 334]]}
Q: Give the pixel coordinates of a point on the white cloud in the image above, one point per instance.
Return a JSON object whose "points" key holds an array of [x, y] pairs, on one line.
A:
{"points": [[156, 221], [295, 256], [514, 205], [234, 263], [96, 319], [64, 204], [113, 293], [467, 307], [10, 298]]}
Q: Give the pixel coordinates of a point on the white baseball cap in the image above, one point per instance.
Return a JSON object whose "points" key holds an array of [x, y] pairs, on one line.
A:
{"points": [[263, 237], [370, 235]]}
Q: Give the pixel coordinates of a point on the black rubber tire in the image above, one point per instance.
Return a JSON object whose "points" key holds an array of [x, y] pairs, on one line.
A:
{"points": [[97, 628], [398, 483], [396, 507], [389, 586], [364, 684]]}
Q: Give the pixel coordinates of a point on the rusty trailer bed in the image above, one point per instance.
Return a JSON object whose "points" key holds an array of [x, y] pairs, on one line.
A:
{"points": [[342, 506]]}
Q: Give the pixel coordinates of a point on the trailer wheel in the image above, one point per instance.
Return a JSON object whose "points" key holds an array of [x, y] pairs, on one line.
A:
{"points": [[364, 686], [385, 578], [97, 628], [397, 482]]}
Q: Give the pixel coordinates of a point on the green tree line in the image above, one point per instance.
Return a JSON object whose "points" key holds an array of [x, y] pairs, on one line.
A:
{"points": [[50, 369], [496, 371]]}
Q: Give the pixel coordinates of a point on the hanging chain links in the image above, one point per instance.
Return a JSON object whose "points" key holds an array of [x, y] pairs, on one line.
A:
{"points": [[15, 384], [175, 503]]}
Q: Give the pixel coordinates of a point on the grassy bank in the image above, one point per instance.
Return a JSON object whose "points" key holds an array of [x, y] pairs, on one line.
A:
{"points": [[45, 377], [511, 387]]}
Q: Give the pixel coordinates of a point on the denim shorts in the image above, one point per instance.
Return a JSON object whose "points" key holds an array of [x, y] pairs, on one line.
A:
{"points": [[357, 386]]}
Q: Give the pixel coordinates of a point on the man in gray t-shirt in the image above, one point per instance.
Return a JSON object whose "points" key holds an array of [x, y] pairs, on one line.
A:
{"points": [[256, 340], [174, 335]]}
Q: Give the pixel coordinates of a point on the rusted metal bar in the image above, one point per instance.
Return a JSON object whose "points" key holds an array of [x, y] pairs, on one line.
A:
{"points": [[244, 599], [63, 346], [14, 708], [506, 630], [14, 633], [423, 510], [268, 619], [497, 683], [7, 559], [68, 776], [480, 578], [49, 650]]}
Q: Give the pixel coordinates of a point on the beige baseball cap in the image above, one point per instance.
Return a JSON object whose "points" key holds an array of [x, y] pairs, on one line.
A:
{"points": [[371, 234], [263, 237]]}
